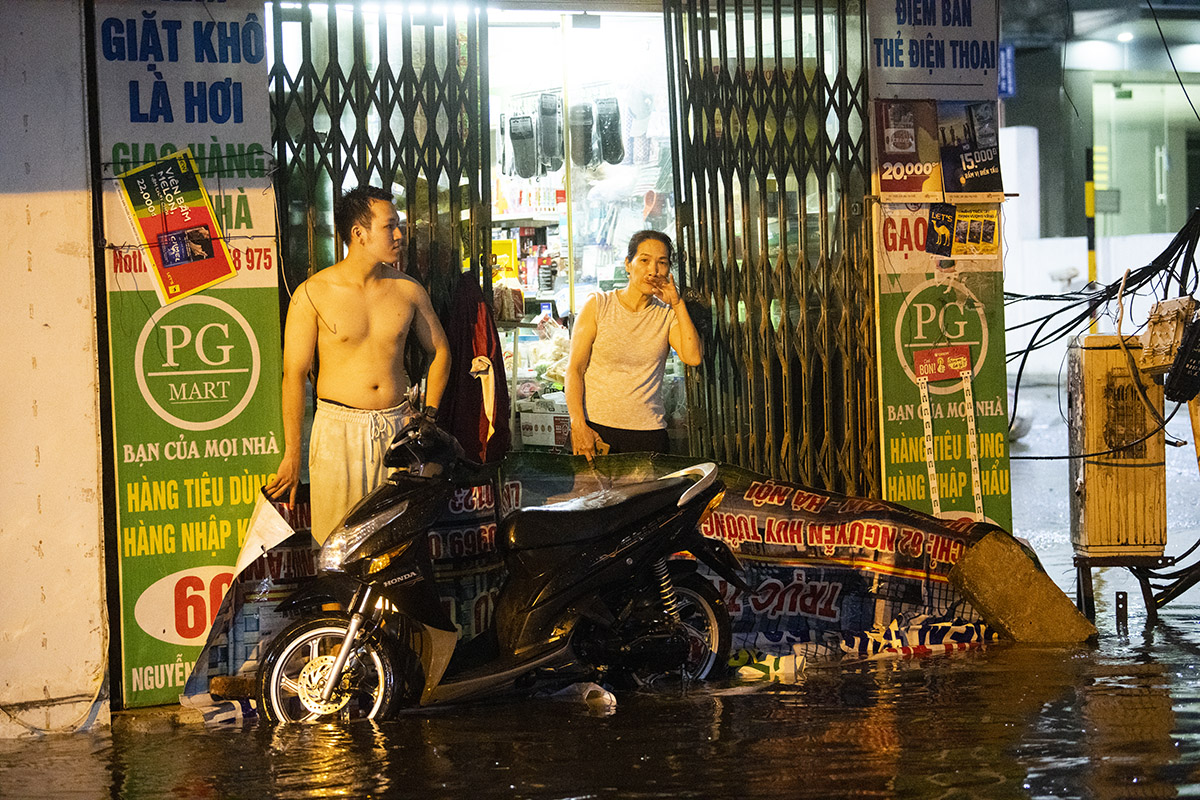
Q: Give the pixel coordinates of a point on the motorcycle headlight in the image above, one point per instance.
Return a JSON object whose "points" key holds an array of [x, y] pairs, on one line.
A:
{"points": [[342, 543]]}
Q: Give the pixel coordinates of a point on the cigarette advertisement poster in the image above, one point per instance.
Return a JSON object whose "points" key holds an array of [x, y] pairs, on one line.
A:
{"points": [[177, 227], [907, 152], [962, 230], [193, 316], [941, 325]]}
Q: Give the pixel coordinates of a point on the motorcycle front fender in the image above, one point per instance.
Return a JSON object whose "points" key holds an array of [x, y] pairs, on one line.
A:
{"points": [[717, 556], [421, 601]]}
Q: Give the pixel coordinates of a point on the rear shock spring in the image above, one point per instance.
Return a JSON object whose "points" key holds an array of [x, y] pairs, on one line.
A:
{"points": [[666, 590]]}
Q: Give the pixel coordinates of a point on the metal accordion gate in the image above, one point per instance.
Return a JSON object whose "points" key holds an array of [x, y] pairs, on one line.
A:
{"points": [[393, 95], [769, 123]]}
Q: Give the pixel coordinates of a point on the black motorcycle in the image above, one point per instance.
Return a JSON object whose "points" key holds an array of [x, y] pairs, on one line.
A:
{"points": [[592, 593]]}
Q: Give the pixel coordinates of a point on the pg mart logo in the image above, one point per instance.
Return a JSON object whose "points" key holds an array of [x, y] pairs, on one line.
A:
{"points": [[197, 363], [941, 313]]}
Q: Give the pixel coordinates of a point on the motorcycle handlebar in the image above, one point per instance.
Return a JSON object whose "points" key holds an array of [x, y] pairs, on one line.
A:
{"points": [[417, 444]]}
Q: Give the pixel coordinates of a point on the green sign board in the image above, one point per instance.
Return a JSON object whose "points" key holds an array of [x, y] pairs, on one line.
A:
{"points": [[943, 383], [196, 436], [193, 315]]}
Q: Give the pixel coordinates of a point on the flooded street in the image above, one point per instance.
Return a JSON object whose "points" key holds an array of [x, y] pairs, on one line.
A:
{"points": [[1007, 722], [1118, 720]]}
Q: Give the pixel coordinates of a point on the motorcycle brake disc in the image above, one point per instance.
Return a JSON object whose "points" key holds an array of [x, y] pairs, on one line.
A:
{"points": [[312, 680]]}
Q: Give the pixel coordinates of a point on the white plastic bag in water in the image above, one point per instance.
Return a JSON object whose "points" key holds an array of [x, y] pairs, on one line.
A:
{"points": [[598, 699]]}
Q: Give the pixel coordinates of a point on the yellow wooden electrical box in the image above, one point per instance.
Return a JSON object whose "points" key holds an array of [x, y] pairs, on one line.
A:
{"points": [[1117, 473]]}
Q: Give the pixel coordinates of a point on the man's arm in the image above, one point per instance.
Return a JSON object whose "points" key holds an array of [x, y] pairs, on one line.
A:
{"points": [[299, 346], [433, 339], [583, 336]]}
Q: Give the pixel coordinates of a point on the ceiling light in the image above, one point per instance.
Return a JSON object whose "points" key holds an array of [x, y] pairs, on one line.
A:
{"points": [[1124, 36]]}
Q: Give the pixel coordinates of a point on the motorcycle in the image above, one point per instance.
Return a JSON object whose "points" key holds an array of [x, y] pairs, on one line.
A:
{"points": [[591, 593]]}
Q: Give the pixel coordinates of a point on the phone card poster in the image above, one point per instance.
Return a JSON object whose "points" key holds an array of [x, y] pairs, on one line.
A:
{"points": [[906, 149], [970, 146]]}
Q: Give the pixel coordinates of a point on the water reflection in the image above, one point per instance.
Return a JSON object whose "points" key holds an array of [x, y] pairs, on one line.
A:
{"points": [[1115, 721], [1128, 734], [327, 760]]}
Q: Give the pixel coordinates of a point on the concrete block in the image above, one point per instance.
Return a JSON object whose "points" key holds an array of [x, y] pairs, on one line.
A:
{"points": [[155, 719], [233, 686], [1015, 596]]}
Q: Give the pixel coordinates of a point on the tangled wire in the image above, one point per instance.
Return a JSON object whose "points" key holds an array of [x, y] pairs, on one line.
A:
{"points": [[1176, 265]]}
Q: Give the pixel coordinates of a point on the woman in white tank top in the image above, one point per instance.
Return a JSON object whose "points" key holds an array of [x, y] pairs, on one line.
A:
{"points": [[619, 353]]}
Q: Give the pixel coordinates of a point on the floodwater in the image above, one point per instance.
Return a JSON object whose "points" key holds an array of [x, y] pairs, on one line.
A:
{"points": [[1117, 720]]}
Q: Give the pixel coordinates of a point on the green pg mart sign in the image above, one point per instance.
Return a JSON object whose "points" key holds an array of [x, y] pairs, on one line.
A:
{"points": [[196, 419], [191, 273], [943, 383], [198, 365]]}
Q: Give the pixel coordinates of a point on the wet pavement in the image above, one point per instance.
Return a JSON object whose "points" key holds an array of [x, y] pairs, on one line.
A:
{"points": [[1117, 720]]}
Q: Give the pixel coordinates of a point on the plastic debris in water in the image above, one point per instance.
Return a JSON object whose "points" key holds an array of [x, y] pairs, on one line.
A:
{"points": [[759, 665]]}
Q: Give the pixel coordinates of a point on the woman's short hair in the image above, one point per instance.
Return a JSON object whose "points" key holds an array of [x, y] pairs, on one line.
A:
{"points": [[636, 240]]}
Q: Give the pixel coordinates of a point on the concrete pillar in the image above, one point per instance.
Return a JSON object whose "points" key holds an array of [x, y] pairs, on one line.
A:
{"points": [[53, 624]]}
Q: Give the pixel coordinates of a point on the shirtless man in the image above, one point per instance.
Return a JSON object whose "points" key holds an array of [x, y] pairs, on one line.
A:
{"points": [[356, 315]]}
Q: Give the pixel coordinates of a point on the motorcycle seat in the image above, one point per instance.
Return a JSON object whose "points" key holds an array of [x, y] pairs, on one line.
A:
{"points": [[589, 516]]}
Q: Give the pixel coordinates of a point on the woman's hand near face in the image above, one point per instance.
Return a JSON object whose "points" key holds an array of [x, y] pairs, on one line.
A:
{"points": [[667, 291]]}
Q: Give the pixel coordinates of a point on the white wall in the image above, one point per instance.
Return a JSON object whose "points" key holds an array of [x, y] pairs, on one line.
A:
{"points": [[53, 625], [1036, 266], [1031, 267], [1019, 166]]}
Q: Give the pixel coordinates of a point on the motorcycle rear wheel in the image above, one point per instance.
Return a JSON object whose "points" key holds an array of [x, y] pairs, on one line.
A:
{"points": [[706, 621], [295, 665], [705, 627]]}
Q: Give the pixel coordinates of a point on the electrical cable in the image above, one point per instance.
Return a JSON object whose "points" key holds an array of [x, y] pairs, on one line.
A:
{"points": [[1135, 373], [1081, 307], [1099, 453], [79, 721], [1167, 49], [1179, 573], [1177, 261], [1062, 64]]}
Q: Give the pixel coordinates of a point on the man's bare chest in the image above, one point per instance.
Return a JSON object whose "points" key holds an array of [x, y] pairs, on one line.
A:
{"points": [[374, 323]]}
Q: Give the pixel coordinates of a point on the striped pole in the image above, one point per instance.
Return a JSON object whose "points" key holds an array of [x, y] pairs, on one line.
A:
{"points": [[1089, 210]]}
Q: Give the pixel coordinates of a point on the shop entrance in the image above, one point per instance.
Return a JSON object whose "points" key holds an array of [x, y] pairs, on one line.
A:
{"points": [[1146, 157], [538, 142], [581, 121], [742, 137]]}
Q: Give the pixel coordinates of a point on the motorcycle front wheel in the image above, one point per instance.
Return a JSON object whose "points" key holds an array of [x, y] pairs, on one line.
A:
{"points": [[296, 667]]}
